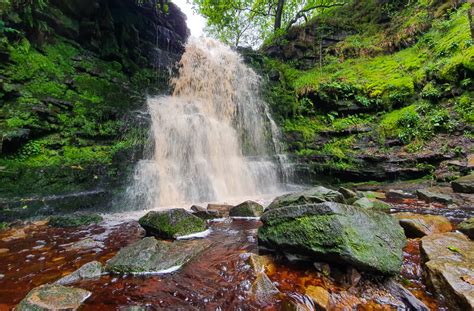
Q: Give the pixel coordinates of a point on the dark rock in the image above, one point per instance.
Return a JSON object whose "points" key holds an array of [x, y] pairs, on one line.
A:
{"points": [[197, 208], [222, 210], [91, 270], [399, 195], [404, 295], [74, 220], [313, 195], [464, 184], [429, 196], [417, 226], [449, 265], [172, 223], [333, 232], [53, 297], [247, 209], [150, 255], [467, 227]]}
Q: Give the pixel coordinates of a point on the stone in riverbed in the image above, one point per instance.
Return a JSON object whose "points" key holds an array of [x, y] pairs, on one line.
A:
{"points": [[332, 232], [172, 223], [372, 204], [349, 195], [263, 288], [319, 296], [449, 263], [417, 226], [150, 255], [221, 210], [464, 184], [247, 209], [53, 297], [399, 195], [74, 220], [314, 195], [91, 270], [467, 227], [429, 196]]}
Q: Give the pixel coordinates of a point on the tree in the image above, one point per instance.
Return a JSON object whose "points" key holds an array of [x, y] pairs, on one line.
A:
{"points": [[254, 20]]}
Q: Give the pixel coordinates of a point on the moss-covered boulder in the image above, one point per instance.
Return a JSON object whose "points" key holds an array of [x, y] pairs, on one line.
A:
{"points": [[366, 239], [150, 255], [172, 223], [247, 209], [314, 195], [74, 220], [53, 297], [464, 184], [467, 227], [372, 204]]}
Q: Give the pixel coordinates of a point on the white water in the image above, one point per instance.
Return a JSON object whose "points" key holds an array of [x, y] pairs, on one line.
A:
{"points": [[214, 139]]}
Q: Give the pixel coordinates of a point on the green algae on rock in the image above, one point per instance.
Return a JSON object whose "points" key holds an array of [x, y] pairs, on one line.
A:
{"points": [[74, 220], [247, 209], [171, 224], [333, 232]]}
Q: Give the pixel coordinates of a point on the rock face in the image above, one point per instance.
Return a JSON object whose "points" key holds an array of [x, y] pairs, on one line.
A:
{"points": [[372, 204], [313, 195], [429, 196], [150, 255], [417, 226], [53, 297], [449, 265], [464, 184], [333, 232], [172, 223], [467, 227], [74, 220], [90, 270], [247, 209]]}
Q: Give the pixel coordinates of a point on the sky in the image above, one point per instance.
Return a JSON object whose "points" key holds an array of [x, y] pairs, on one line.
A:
{"points": [[196, 23]]}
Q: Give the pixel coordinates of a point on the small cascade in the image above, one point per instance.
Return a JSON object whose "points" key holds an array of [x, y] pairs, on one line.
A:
{"points": [[213, 138]]}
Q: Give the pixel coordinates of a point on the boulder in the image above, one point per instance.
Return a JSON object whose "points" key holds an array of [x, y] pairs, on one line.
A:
{"points": [[449, 265], [263, 288], [247, 209], [464, 184], [197, 209], [417, 226], [399, 195], [319, 295], [314, 195], [53, 297], [221, 210], [429, 196], [467, 227], [91, 270], [74, 220], [205, 215], [372, 204], [366, 239], [348, 194], [172, 223], [150, 255]]}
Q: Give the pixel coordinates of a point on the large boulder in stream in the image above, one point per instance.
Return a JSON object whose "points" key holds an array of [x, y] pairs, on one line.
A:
{"points": [[150, 255], [314, 195], [171, 224], [366, 239], [53, 297], [449, 268]]}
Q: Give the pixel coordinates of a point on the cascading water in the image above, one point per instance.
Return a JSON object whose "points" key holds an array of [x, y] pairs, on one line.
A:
{"points": [[213, 138]]}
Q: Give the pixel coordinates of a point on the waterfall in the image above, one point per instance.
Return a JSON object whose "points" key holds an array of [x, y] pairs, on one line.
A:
{"points": [[213, 137]]}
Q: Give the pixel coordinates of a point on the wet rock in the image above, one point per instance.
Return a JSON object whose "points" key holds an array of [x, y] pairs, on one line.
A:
{"points": [[464, 184], [417, 226], [290, 305], [86, 243], [197, 209], [467, 227], [372, 204], [74, 220], [260, 263], [205, 215], [4, 250], [319, 295], [429, 196], [222, 210], [314, 195], [263, 288], [247, 209], [53, 297], [322, 267], [150, 255], [399, 195], [449, 261], [172, 223], [15, 234], [349, 195], [405, 296], [91, 270], [366, 239]]}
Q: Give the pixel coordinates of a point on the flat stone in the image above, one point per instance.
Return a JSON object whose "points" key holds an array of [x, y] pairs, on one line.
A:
{"points": [[449, 262], [86, 243], [150, 255], [222, 210], [399, 195], [53, 297], [246, 209], [319, 295], [467, 227], [429, 197], [417, 226], [172, 223], [91, 270], [464, 184], [314, 195]]}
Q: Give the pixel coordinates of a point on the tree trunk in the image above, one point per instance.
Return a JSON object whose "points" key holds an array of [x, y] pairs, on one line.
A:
{"points": [[279, 14]]}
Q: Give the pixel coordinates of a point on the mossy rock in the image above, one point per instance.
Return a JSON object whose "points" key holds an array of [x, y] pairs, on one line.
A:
{"points": [[467, 227], [464, 184], [366, 239], [372, 204], [314, 195], [172, 223], [247, 209], [74, 220]]}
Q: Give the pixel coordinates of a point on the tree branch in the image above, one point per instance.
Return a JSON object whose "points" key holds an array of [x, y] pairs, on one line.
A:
{"points": [[302, 12]]}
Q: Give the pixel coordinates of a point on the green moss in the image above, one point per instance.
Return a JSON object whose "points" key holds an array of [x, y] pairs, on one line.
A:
{"points": [[74, 220], [172, 223]]}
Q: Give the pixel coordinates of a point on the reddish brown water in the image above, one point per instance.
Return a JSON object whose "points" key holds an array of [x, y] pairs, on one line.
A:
{"points": [[218, 279]]}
